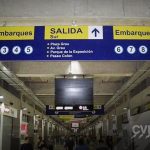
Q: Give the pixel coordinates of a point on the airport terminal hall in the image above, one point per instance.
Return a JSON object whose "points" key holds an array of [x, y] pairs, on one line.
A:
{"points": [[74, 74]]}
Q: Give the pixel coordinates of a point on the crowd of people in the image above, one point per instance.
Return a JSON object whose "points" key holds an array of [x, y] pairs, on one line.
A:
{"points": [[71, 143], [41, 144], [88, 143]]}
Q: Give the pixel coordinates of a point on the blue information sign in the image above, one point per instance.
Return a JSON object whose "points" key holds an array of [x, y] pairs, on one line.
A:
{"points": [[75, 43]]}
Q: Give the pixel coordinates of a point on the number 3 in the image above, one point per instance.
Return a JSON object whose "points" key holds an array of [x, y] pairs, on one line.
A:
{"points": [[4, 50]]}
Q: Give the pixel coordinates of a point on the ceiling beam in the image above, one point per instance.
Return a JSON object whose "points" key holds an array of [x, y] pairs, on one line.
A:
{"points": [[50, 69], [100, 88], [97, 100]]}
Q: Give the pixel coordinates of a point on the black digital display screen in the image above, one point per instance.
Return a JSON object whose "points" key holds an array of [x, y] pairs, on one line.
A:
{"points": [[77, 93]]}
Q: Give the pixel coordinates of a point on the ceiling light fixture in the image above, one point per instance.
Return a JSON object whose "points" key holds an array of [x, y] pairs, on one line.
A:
{"points": [[24, 108], [1, 97], [74, 77], [2, 107]]}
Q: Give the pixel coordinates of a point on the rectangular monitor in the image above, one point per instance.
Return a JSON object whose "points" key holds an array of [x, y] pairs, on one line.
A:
{"points": [[74, 94]]}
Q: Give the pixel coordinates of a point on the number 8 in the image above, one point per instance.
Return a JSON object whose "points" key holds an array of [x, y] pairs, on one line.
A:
{"points": [[143, 49]]}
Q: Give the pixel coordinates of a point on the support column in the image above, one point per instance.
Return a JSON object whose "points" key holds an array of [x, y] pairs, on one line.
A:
{"points": [[48, 124], [129, 113], [107, 126], [1, 124], [128, 105], [43, 126], [20, 118]]}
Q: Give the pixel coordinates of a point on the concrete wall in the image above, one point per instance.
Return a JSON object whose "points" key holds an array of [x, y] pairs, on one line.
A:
{"points": [[142, 120]]}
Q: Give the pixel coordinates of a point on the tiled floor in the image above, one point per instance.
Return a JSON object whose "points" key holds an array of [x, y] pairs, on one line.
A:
{"points": [[59, 147]]}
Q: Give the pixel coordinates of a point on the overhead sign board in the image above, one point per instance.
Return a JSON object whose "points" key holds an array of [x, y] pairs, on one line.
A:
{"points": [[75, 43], [50, 111]]}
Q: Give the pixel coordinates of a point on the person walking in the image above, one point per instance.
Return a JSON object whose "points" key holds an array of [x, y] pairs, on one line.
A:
{"points": [[27, 145], [81, 145], [41, 145], [70, 143], [102, 146], [50, 144]]}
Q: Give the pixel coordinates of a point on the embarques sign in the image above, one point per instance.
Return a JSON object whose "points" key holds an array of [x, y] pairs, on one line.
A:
{"points": [[66, 31]]}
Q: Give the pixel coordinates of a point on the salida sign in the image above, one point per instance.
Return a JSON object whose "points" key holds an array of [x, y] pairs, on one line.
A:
{"points": [[77, 32], [56, 33], [66, 31]]}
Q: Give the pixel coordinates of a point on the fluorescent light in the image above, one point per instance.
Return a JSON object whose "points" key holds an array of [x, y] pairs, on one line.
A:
{"points": [[68, 108], [59, 108], [125, 108], [2, 108], [7, 110], [74, 77], [24, 108], [1, 97]]}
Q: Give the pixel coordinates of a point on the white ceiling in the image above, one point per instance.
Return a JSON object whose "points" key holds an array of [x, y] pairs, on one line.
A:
{"points": [[75, 8]]}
